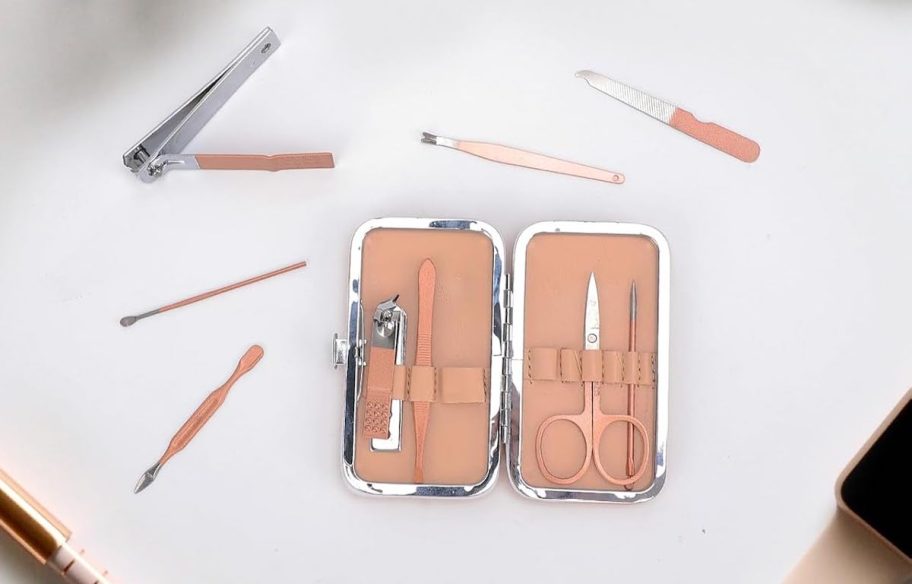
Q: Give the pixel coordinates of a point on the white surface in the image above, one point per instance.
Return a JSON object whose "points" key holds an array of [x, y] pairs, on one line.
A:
{"points": [[791, 284]]}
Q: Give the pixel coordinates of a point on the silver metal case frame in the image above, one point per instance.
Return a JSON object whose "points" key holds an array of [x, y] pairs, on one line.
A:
{"points": [[351, 350], [514, 377]]}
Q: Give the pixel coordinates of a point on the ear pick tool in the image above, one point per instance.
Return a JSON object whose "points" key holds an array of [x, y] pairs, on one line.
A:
{"points": [[680, 119], [131, 320], [160, 150], [517, 157], [199, 418]]}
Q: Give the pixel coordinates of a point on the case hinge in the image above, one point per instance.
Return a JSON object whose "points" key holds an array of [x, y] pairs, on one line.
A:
{"points": [[507, 368]]}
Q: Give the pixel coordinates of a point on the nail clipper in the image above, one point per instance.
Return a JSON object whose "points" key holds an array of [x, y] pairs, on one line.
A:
{"points": [[383, 417]]}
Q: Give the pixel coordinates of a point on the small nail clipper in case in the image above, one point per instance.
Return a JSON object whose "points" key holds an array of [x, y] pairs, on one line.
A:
{"points": [[563, 363]]}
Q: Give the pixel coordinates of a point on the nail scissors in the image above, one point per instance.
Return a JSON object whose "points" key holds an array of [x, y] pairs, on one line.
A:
{"points": [[591, 422]]}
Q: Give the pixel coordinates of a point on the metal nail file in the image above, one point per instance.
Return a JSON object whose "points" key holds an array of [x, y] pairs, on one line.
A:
{"points": [[714, 135], [160, 150], [421, 410]]}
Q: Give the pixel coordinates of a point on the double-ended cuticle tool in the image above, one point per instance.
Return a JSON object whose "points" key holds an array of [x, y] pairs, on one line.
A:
{"points": [[202, 415], [517, 157], [161, 149]]}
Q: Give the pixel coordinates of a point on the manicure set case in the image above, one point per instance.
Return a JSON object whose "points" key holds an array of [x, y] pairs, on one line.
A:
{"points": [[577, 329]]}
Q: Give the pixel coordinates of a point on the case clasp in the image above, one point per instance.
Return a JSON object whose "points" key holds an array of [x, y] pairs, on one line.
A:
{"points": [[339, 350]]}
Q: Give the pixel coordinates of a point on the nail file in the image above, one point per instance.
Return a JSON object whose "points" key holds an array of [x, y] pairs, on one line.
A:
{"points": [[427, 283], [517, 157], [714, 135]]}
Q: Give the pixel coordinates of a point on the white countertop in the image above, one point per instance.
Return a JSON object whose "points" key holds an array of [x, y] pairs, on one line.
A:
{"points": [[791, 289]]}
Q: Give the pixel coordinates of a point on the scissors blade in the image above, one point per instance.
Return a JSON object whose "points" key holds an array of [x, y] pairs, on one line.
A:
{"points": [[591, 341]]}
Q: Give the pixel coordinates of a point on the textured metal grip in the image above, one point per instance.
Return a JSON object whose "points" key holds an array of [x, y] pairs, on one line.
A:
{"points": [[380, 366], [273, 163], [427, 284]]}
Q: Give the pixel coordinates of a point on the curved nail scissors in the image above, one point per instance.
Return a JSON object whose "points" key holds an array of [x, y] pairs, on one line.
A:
{"points": [[592, 422]]}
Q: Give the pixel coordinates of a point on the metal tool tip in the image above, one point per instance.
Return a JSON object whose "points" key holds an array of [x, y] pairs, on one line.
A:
{"points": [[147, 478], [428, 138], [128, 320], [633, 298], [143, 482], [584, 73]]}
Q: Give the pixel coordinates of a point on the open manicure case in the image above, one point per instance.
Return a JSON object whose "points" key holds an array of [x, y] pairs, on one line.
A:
{"points": [[506, 353]]}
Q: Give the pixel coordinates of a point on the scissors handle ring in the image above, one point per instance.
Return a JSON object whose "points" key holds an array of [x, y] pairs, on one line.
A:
{"points": [[605, 421], [583, 423]]}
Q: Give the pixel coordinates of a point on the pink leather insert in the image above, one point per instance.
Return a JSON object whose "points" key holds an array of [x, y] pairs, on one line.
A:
{"points": [[549, 364], [456, 449], [557, 273]]}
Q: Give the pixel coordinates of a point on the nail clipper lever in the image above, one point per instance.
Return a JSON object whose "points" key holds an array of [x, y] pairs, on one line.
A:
{"points": [[161, 149], [387, 349]]}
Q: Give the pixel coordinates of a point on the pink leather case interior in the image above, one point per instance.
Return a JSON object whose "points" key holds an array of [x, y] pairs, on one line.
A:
{"points": [[558, 266], [508, 353], [456, 449]]}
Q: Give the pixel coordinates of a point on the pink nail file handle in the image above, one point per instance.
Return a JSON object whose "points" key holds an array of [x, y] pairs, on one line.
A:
{"points": [[272, 163], [517, 157], [716, 136]]}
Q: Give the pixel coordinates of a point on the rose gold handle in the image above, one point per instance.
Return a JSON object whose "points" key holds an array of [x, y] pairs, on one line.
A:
{"points": [[516, 157], [583, 423], [716, 136], [211, 293], [602, 422], [211, 404], [263, 162]]}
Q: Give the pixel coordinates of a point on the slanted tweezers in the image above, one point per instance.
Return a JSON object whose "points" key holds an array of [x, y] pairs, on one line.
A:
{"points": [[160, 150]]}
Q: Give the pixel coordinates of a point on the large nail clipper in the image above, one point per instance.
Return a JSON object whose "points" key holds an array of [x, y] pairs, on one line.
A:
{"points": [[162, 148], [383, 414]]}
